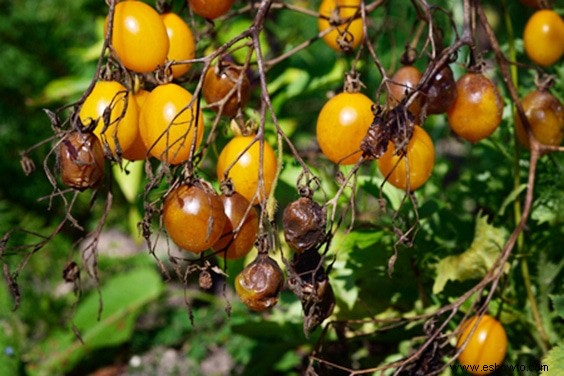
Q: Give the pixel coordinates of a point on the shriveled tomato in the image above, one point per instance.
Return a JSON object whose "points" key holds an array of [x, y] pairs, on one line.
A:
{"points": [[476, 112], [120, 127], [545, 114], [409, 171], [194, 217], [169, 129], [341, 126], [139, 36], [486, 346], [250, 178], [441, 93], [349, 34], [210, 9], [241, 216], [181, 43], [543, 37]]}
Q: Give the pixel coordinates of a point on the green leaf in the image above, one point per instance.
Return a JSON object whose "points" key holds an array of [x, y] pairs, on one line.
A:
{"points": [[558, 303], [475, 262], [554, 362], [122, 298], [63, 88]]}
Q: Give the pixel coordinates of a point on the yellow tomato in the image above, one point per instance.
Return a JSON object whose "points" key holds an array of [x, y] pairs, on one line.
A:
{"points": [[168, 127], [419, 158], [139, 36], [246, 167], [181, 42], [347, 36], [122, 123]]}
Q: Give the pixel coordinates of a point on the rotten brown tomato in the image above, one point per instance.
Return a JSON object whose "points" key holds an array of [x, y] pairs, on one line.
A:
{"points": [[81, 160], [304, 224], [259, 284]]}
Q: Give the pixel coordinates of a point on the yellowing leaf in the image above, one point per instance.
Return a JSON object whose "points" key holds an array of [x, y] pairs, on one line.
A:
{"points": [[475, 262]]}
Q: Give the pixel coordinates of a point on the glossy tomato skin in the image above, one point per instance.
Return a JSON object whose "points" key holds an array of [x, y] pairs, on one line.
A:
{"points": [[342, 124], [167, 128], [352, 33], [404, 82], [486, 346], [194, 217], [181, 43], [239, 212], [420, 154], [442, 93], [121, 127], [220, 82], [476, 112], [543, 37], [139, 37], [81, 160], [210, 9], [545, 114], [246, 167], [137, 151]]}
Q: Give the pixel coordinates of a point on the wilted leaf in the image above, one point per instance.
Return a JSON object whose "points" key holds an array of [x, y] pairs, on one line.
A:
{"points": [[475, 262]]}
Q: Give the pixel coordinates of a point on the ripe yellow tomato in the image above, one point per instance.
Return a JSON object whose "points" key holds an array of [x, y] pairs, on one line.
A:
{"points": [[346, 37], [137, 151], [193, 217], [139, 37], [341, 126], [420, 159], [545, 114], [168, 129], [210, 9], [476, 112], [486, 347], [122, 127], [543, 37], [181, 42], [246, 167]]}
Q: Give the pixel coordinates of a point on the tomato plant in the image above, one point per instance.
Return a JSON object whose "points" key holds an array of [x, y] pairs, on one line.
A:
{"points": [[373, 226], [139, 36], [484, 343], [342, 124]]}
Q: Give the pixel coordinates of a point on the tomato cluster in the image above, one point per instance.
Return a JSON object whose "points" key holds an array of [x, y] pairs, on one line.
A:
{"points": [[163, 123]]}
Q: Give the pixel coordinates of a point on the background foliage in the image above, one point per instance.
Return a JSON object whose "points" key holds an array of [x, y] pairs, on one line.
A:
{"points": [[48, 58]]}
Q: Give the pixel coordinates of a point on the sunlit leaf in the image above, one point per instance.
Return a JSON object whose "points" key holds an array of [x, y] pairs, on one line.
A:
{"points": [[554, 362], [475, 262]]}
